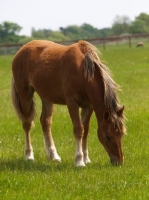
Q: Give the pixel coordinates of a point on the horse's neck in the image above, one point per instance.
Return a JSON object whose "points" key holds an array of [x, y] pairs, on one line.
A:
{"points": [[99, 112], [96, 95], [97, 100]]}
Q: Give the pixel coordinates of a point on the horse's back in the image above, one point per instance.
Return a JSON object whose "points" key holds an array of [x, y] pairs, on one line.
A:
{"points": [[53, 70]]}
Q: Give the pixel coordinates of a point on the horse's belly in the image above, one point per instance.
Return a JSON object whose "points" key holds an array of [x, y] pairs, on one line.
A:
{"points": [[48, 88], [54, 96]]}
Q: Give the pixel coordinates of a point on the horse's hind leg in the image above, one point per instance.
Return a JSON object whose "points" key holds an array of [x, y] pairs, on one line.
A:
{"points": [[28, 149], [46, 123], [28, 113], [85, 117], [23, 102]]}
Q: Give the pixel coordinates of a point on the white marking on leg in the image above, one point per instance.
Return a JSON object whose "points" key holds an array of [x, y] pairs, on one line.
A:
{"points": [[51, 151], [30, 156], [29, 152], [86, 158], [28, 147], [53, 155], [85, 151], [79, 154]]}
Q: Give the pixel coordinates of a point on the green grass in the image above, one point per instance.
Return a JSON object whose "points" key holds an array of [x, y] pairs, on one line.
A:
{"points": [[43, 179]]}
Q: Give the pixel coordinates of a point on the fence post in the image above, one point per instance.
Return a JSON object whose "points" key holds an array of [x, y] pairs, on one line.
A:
{"points": [[129, 38], [104, 46], [5, 50]]}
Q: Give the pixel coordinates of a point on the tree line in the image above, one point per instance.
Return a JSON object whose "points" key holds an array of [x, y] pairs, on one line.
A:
{"points": [[122, 25]]}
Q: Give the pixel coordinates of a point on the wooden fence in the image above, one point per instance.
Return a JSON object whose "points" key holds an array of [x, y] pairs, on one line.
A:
{"points": [[13, 48]]}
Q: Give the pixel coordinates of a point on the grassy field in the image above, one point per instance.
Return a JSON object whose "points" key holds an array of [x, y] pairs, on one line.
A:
{"points": [[45, 180]]}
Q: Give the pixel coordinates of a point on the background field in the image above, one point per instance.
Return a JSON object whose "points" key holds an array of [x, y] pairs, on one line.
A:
{"points": [[42, 179]]}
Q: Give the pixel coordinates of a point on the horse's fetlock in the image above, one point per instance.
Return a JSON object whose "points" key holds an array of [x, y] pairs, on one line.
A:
{"points": [[79, 162], [29, 154]]}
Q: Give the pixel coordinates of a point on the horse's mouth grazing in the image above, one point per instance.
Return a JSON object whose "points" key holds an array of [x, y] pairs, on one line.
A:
{"points": [[115, 161]]}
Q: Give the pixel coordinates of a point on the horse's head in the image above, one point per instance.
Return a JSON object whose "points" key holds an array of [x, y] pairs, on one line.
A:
{"points": [[110, 134]]}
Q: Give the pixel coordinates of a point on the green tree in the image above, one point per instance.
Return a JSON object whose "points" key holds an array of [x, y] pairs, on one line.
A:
{"points": [[141, 24], [138, 26], [143, 17], [9, 32], [105, 32], [84, 31], [89, 31], [58, 36], [121, 25], [41, 33]]}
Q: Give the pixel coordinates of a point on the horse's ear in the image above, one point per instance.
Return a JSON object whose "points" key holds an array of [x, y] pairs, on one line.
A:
{"points": [[106, 115], [120, 111]]}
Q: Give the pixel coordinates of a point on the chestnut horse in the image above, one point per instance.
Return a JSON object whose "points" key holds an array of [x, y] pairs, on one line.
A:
{"points": [[73, 76]]}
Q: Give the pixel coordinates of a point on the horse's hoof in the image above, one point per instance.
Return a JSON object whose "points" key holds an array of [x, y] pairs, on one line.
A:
{"points": [[81, 164], [30, 157], [86, 161], [54, 157], [57, 159]]}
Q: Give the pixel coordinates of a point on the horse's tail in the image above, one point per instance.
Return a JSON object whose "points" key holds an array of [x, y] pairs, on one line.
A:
{"points": [[17, 105]]}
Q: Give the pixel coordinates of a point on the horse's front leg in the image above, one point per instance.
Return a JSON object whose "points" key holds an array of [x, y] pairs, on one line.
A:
{"points": [[78, 131], [46, 123], [85, 117]]}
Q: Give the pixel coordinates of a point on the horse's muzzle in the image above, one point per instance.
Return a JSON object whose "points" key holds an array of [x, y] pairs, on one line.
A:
{"points": [[116, 161]]}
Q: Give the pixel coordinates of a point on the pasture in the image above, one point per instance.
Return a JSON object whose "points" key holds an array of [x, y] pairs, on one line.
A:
{"points": [[43, 179]]}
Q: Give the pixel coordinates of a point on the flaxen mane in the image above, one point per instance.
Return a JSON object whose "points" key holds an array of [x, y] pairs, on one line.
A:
{"points": [[111, 101]]}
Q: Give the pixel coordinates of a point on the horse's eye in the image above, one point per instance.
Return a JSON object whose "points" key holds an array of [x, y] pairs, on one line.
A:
{"points": [[108, 138]]}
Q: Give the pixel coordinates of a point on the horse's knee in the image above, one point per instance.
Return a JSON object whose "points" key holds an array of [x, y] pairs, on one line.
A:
{"points": [[46, 123], [79, 131]]}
